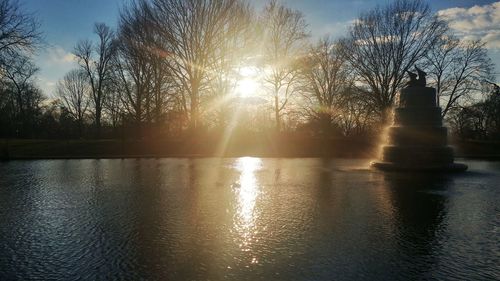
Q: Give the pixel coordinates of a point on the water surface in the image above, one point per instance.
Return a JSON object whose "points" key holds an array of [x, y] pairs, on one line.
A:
{"points": [[245, 219]]}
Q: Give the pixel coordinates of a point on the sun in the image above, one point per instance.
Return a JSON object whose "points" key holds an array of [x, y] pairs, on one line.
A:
{"points": [[247, 84], [246, 87]]}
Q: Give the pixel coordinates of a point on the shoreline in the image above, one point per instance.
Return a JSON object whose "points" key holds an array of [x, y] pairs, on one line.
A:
{"points": [[493, 158], [30, 149]]}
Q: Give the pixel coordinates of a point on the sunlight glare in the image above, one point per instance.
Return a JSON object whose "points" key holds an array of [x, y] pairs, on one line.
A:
{"points": [[247, 194], [248, 187], [248, 71], [247, 84], [246, 87]]}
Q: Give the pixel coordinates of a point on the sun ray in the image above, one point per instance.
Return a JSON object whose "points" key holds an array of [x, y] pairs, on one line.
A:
{"points": [[228, 131]]}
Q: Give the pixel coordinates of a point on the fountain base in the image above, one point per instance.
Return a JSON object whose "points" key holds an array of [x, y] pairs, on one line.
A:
{"points": [[398, 167], [417, 140]]}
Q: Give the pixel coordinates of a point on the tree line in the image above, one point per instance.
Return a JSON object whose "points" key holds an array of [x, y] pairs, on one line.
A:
{"points": [[173, 67]]}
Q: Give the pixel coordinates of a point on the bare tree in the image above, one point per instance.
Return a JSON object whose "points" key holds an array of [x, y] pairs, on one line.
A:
{"points": [[187, 36], [133, 73], [19, 38], [95, 60], [163, 89], [20, 74], [235, 51], [457, 70], [356, 113], [19, 32], [74, 92], [23, 96], [478, 120], [284, 34], [326, 80], [387, 41], [113, 106], [492, 103], [142, 74]]}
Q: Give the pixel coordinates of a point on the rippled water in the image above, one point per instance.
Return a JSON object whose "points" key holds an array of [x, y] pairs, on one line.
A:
{"points": [[245, 219]]}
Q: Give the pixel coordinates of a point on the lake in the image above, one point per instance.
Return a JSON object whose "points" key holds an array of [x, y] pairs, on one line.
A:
{"points": [[245, 219]]}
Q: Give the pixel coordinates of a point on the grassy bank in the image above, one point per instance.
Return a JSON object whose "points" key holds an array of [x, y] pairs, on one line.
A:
{"points": [[478, 149], [189, 147], [112, 148]]}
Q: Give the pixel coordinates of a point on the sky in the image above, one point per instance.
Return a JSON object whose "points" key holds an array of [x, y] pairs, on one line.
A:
{"points": [[65, 22]]}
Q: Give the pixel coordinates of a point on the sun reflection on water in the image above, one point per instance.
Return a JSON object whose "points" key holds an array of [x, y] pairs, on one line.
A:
{"points": [[247, 191]]}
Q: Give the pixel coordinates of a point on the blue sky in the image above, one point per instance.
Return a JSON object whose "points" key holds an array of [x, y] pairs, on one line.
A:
{"points": [[64, 22]]}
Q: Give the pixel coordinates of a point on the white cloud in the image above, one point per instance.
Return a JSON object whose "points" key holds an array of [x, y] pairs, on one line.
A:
{"points": [[477, 22], [58, 55], [54, 63], [47, 85], [334, 29]]}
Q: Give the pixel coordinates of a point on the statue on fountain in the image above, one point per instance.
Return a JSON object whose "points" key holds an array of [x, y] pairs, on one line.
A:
{"points": [[414, 81], [417, 140]]}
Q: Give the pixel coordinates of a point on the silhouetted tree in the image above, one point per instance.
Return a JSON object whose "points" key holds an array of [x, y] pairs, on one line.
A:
{"points": [[235, 51], [95, 60], [188, 36], [19, 32], [19, 78], [74, 92], [174, 65], [326, 78], [493, 110], [113, 106], [19, 38], [385, 42], [357, 115], [284, 33], [133, 73], [457, 70], [142, 74], [480, 119]]}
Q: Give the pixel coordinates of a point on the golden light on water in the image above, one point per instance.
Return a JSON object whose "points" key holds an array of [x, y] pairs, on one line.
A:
{"points": [[247, 191], [248, 188]]}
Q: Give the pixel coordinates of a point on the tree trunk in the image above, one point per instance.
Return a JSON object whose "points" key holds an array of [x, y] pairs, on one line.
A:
{"points": [[138, 123], [98, 110], [194, 122], [80, 128], [277, 113]]}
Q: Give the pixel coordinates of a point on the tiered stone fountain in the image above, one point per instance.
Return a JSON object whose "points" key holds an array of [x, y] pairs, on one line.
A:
{"points": [[417, 141]]}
